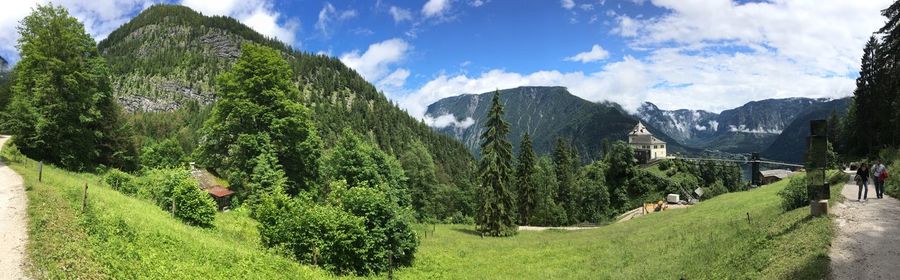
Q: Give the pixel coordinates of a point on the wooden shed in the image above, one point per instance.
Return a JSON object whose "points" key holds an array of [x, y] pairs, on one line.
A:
{"points": [[222, 196]]}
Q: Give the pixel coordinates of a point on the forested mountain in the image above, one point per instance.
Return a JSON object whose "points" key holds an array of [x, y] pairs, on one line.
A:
{"points": [[547, 113], [791, 143], [752, 127], [164, 63]]}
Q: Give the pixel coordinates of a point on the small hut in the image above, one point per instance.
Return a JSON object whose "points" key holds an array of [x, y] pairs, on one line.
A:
{"points": [[222, 196], [774, 175]]}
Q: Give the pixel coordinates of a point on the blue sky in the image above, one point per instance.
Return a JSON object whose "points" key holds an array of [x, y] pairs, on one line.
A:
{"points": [[712, 54]]}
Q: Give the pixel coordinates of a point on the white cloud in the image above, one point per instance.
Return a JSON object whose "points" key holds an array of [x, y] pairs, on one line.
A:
{"points": [[478, 3], [375, 63], [825, 36], [567, 4], [448, 120], [99, 18], [400, 14], [596, 53], [329, 17], [694, 59], [395, 80], [586, 7], [257, 14], [435, 8], [627, 27]]}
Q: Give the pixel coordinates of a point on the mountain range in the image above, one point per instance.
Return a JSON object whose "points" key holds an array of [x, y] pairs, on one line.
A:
{"points": [[546, 113], [752, 127], [549, 113]]}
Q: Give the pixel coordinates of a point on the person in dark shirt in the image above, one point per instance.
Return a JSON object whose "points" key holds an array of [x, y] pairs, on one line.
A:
{"points": [[862, 179]]}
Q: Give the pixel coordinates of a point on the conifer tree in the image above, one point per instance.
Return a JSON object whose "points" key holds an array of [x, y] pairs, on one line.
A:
{"points": [[497, 213], [527, 191], [565, 176]]}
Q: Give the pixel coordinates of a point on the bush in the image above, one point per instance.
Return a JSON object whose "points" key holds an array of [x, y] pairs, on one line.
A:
{"points": [[11, 153], [388, 227], [714, 190], [794, 195], [665, 165], [316, 234], [192, 205], [360, 231], [121, 181]]}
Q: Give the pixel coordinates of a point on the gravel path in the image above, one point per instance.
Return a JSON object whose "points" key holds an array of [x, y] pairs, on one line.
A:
{"points": [[867, 245], [13, 235]]}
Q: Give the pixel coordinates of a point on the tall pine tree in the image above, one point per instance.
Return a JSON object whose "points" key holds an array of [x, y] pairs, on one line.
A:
{"points": [[566, 168], [497, 213], [527, 190]]}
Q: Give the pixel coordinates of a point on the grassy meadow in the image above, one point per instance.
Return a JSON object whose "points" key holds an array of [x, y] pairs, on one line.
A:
{"points": [[712, 240], [121, 237]]}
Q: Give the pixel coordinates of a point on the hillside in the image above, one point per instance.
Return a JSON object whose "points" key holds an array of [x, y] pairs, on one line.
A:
{"points": [[790, 146], [164, 63], [123, 237], [547, 113]]}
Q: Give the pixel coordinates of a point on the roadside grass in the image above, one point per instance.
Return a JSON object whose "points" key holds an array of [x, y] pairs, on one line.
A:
{"points": [[712, 240], [122, 237]]}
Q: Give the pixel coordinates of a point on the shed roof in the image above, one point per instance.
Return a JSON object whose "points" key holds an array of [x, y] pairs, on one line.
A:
{"points": [[779, 173], [219, 191]]}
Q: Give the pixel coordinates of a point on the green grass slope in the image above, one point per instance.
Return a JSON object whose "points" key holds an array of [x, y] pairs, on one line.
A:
{"points": [[122, 237], [712, 240]]}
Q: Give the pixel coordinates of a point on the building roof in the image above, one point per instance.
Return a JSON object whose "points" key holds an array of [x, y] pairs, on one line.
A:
{"points": [[639, 129], [779, 173], [218, 191]]}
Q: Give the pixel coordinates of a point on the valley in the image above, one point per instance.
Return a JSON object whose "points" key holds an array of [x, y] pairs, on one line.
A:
{"points": [[272, 139]]}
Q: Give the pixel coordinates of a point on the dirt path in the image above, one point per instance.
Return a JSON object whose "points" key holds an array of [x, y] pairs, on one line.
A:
{"points": [[13, 228], [867, 245]]}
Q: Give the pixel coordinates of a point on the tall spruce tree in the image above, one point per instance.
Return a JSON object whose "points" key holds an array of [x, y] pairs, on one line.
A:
{"points": [[527, 191], [566, 177], [497, 213], [861, 116], [63, 109]]}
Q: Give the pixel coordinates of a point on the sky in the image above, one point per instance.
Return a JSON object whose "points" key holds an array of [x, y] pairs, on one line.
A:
{"points": [[694, 54]]}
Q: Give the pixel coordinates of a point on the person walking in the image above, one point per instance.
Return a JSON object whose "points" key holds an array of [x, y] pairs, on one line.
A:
{"points": [[879, 174], [862, 179]]}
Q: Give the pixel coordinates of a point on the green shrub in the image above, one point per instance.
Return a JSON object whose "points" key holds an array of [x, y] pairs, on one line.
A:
{"points": [[389, 230], [323, 235], [360, 230], [121, 181], [11, 153], [794, 195], [665, 165], [892, 184], [714, 190], [193, 205]]}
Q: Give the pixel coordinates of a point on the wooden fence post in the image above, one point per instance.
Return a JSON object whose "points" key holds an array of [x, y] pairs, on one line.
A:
{"points": [[40, 171], [84, 198]]}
